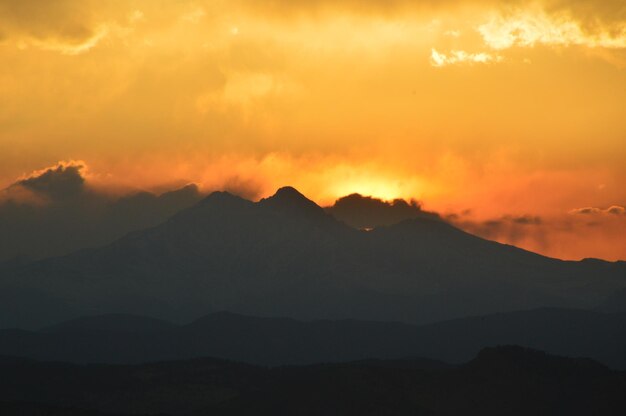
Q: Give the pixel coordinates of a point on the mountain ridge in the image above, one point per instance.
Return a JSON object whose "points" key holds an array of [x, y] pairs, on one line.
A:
{"points": [[285, 256]]}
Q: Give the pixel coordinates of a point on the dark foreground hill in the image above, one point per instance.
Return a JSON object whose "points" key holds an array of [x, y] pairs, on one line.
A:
{"points": [[499, 381], [127, 339], [285, 256]]}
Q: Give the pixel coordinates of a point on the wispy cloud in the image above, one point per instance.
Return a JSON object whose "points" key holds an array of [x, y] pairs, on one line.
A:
{"points": [[68, 47], [612, 210], [439, 59]]}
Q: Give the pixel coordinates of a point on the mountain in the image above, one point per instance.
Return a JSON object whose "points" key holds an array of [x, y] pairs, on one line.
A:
{"points": [[285, 256], [85, 218], [31, 307], [506, 380], [128, 339]]}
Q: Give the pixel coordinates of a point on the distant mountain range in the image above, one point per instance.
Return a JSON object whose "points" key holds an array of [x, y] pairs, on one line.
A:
{"points": [[285, 256], [85, 218], [499, 381], [127, 339]]}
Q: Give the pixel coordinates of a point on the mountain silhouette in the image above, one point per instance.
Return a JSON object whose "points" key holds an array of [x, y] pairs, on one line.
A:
{"points": [[285, 256], [81, 218], [128, 339], [289, 201]]}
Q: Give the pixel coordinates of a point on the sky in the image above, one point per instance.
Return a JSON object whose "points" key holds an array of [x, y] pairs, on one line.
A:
{"points": [[507, 118]]}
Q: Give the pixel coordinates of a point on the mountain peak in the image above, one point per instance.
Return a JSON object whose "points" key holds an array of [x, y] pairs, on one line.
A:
{"points": [[222, 197], [222, 202], [289, 199], [288, 195], [288, 192]]}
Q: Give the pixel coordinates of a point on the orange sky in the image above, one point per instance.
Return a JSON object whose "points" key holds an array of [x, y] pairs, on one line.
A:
{"points": [[499, 110]]}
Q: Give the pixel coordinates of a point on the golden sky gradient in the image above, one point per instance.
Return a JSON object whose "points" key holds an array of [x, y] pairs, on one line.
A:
{"points": [[490, 110]]}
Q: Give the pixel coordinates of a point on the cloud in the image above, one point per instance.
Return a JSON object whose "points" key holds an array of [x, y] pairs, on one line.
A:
{"points": [[612, 210], [527, 28], [525, 219], [586, 211], [67, 26], [496, 25], [367, 212], [63, 20], [61, 181], [438, 59], [592, 9], [76, 26], [511, 229], [592, 14], [616, 210], [73, 48], [555, 235]]}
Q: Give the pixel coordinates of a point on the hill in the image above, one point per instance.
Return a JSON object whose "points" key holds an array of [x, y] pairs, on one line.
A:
{"points": [[503, 380], [127, 339]]}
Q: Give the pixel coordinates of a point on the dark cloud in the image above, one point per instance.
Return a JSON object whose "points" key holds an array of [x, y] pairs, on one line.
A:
{"points": [[525, 220], [586, 211], [616, 210], [366, 212], [56, 183], [612, 210], [493, 223]]}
